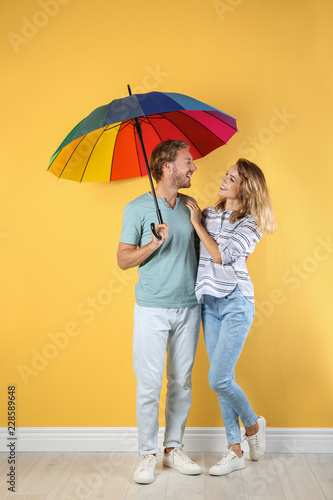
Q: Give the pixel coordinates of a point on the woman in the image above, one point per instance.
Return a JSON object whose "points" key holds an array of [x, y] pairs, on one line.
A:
{"points": [[228, 233]]}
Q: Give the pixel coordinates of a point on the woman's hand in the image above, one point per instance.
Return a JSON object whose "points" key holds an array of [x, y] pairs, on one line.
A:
{"points": [[195, 212], [211, 245]]}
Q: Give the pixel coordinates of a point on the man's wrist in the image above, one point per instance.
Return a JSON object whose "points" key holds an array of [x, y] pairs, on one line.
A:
{"points": [[152, 245]]}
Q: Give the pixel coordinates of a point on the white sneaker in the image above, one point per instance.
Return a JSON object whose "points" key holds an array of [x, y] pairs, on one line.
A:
{"points": [[144, 472], [228, 463], [257, 443], [177, 459]]}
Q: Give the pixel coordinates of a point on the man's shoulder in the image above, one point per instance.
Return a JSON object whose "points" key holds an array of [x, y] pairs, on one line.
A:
{"points": [[139, 199], [185, 197], [138, 202]]}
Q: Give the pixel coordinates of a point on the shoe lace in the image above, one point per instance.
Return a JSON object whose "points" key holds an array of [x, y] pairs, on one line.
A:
{"points": [[252, 441], [227, 457], [146, 461], [181, 455]]}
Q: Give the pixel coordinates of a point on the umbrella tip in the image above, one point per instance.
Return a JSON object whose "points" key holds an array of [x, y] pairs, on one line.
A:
{"points": [[129, 89]]}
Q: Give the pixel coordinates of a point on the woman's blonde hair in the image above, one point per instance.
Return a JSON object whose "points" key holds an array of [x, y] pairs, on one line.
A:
{"points": [[254, 197]]}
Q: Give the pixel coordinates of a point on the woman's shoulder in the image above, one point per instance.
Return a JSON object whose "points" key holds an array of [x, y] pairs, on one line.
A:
{"points": [[210, 213], [210, 210], [250, 219]]}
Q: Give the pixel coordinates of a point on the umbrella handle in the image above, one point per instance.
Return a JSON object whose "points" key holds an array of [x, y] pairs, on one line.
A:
{"points": [[155, 233]]}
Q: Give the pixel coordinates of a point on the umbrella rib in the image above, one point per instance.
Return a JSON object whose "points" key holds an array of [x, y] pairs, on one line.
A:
{"points": [[114, 148], [188, 139], [150, 123], [121, 127], [192, 118], [85, 168], [162, 116], [70, 156], [211, 114]]}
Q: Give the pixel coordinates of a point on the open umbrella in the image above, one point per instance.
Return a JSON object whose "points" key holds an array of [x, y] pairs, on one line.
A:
{"points": [[113, 142]]}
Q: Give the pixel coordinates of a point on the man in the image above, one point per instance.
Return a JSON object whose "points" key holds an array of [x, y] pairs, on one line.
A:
{"points": [[166, 314]]}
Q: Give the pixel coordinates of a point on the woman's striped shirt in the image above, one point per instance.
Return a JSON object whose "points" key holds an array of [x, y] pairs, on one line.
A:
{"points": [[236, 241]]}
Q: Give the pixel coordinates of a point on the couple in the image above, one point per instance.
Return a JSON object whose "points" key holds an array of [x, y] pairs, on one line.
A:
{"points": [[172, 295]]}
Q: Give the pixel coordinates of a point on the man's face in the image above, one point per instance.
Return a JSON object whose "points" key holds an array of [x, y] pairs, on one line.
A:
{"points": [[182, 169]]}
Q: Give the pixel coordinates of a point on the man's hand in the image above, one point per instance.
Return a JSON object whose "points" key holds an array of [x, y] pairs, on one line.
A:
{"points": [[162, 230], [131, 256]]}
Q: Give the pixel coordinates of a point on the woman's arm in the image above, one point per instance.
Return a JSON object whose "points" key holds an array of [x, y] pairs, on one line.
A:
{"points": [[210, 245]]}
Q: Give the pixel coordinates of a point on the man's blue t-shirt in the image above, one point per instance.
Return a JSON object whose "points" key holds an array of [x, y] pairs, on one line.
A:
{"points": [[167, 277]]}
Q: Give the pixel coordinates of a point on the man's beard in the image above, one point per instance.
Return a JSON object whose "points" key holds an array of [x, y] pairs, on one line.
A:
{"points": [[178, 179]]}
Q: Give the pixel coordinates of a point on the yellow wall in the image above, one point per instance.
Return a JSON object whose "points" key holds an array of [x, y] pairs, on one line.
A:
{"points": [[267, 63]]}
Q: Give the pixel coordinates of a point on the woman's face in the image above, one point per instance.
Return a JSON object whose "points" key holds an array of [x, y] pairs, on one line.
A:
{"points": [[230, 186]]}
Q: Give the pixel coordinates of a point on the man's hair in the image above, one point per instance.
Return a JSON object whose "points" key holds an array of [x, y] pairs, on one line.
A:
{"points": [[164, 152]]}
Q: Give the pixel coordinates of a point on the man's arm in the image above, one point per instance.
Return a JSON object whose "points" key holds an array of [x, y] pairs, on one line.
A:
{"points": [[131, 256]]}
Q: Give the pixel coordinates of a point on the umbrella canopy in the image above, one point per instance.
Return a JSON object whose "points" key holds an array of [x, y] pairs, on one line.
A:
{"points": [[105, 146]]}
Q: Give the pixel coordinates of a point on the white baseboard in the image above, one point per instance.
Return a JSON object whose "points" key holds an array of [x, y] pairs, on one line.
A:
{"points": [[196, 439]]}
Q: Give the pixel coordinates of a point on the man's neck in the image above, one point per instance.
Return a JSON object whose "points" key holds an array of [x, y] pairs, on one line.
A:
{"points": [[170, 193]]}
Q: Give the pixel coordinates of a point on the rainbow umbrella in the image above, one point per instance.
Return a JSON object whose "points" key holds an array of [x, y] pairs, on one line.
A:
{"points": [[108, 144]]}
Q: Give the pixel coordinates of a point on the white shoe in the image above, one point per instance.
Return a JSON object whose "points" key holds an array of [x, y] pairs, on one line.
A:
{"points": [[177, 459], [228, 463], [257, 443], [144, 472]]}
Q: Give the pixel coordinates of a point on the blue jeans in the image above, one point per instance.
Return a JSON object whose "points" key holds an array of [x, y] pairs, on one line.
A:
{"points": [[226, 323]]}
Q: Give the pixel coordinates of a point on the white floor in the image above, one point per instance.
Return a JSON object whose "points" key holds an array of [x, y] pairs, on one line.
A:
{"points": [[92, 476]]}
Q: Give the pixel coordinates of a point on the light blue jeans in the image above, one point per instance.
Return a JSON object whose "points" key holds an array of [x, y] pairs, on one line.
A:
{"points": [[226, 323], [159, 331]]}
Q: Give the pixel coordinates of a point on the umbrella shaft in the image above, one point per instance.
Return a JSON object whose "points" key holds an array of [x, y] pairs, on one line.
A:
{"points": [[139, 131]]}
